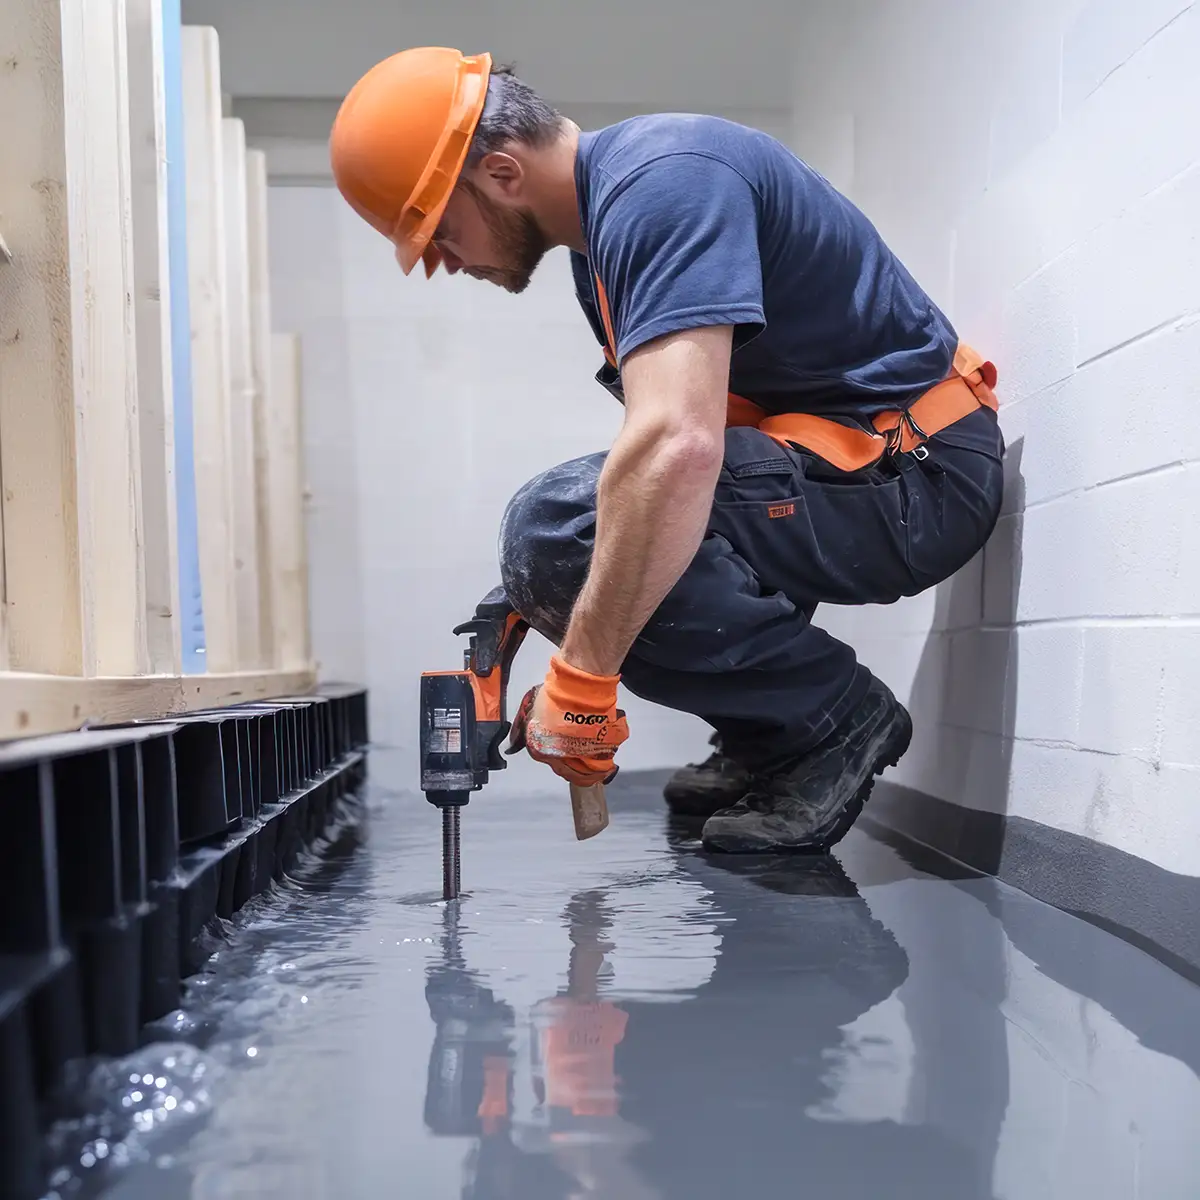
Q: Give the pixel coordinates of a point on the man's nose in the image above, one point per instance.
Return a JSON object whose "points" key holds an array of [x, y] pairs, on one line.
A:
{"points": [[451, 262]]}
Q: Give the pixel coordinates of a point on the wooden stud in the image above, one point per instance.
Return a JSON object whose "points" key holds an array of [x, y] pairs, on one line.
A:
{"points": [[68, 419], [3, 597], [107, 437], [241, 395], [37, 704], [88, 581], [285, 472], [3, 603], [152, 304], [260, 356], [37, 394], [5, 257], [210, 343]]}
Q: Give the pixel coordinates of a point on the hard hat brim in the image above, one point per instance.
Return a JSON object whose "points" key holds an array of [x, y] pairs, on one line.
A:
{"points": [[419, 220]]}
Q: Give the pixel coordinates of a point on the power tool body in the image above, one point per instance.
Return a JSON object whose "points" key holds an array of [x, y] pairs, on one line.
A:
{"points": [[464, 721]]}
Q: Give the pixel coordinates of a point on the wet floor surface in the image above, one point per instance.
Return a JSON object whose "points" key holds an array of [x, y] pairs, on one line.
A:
{"points": [[629, 1019]]}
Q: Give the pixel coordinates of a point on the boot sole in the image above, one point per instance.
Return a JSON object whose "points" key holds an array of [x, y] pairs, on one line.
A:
{"points": [[893, 750]]}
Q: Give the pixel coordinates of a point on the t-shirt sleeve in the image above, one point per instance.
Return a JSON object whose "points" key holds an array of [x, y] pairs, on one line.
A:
{"points": [[676, 247]]}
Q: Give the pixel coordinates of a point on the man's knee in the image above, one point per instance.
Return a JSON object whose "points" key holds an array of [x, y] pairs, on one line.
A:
{"points": [[546, 539]]}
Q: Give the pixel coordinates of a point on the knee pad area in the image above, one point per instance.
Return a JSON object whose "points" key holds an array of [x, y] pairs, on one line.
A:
{"points": [[546, 539]]}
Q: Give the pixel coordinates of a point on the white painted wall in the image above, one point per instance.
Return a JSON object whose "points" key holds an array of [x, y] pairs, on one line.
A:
{"points": [[427, 404], [308, 297], [298, 157], [672, 53], [1037, 165]]}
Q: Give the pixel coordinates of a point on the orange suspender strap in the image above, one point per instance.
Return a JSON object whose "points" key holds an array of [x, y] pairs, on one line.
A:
{"points": [[610, 348], [979, 374], [850, 448]]}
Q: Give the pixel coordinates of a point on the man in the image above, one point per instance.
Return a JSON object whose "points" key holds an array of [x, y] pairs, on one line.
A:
{"points": [[801, 426]]}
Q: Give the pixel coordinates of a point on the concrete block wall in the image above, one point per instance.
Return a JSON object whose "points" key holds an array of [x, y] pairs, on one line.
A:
{"points": [[1037, 166]]}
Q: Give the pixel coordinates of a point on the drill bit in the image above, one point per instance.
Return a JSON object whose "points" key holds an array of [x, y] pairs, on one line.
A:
{"points": [[451, 878]]}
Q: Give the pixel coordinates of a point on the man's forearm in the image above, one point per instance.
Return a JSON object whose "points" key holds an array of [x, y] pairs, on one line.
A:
{"points": [[654, 498]]}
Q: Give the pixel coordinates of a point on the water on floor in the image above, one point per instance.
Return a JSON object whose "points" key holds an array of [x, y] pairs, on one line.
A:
{"points": [[629, 1019]]}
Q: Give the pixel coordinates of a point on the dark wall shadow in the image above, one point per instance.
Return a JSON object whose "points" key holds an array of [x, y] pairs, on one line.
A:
{"points": [[964, 704], [963, 701]]}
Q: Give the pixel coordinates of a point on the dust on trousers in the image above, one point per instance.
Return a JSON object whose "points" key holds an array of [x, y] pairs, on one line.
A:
{"points": [[734, 641]]}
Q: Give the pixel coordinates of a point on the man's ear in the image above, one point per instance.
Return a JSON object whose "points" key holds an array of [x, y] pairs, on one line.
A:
{"points": [[501, 174]]}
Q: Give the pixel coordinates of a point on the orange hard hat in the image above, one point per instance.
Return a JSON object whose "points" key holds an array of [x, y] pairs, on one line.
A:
{"points": [[400, 140]]}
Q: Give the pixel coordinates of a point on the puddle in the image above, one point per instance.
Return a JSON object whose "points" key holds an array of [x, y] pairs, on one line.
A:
{"points": [[628, 1019]]}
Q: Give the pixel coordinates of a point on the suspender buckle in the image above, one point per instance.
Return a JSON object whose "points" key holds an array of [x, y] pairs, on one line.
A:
{"points": [[911, 422], [920, 452]]}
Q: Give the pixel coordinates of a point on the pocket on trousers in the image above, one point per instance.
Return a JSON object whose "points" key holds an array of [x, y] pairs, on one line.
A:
{"points": [[773, 534], [838, 540], [924, 504], [825, 545], [950, 513], [756, 469]]}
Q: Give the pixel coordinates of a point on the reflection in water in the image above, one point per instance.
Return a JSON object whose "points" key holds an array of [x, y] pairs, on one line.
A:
{"points": [[467, 1092], [636, 1100], [566, 1137], [630, 1019], [726, 1085]]}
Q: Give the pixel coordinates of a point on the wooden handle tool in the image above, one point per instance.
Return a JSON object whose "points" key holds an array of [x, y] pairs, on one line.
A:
{"points": [[590, 810]]}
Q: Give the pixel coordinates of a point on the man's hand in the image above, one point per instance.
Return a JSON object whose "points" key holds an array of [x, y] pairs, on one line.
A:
{"points": [[655, 493], [572, 723]]}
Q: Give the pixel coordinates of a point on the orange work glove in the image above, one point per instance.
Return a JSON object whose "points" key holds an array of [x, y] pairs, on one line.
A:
{"points": [[572, 723]]}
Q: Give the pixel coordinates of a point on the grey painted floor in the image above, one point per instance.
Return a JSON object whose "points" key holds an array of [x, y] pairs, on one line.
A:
{"points": [[627, 1019]]}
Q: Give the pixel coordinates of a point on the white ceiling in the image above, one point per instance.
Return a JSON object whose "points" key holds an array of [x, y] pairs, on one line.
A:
{"points": [[709, 55]]}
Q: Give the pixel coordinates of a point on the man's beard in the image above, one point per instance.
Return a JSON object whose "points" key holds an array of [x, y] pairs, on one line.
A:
{"points": [[518, 240]]}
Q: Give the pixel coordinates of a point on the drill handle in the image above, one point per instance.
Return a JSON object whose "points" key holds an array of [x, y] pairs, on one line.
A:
{"points": [[497, 631]]}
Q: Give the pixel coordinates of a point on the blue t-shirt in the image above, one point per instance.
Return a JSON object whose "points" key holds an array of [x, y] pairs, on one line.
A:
{"points": [[694, 221]]}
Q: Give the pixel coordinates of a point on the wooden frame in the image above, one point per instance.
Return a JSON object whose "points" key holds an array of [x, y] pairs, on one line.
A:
{"points": [[107, 435], [5, 257], [287, 490], [258, 256], [89, 572], [37, 704], [244, 496], [37, 396]]}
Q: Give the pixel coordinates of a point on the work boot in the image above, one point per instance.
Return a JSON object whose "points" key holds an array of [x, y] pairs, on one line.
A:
{"points": [[809, 803], [701, 789]]}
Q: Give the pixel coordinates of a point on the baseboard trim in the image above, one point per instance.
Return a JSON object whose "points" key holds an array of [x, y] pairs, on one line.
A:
{"points": [[1154, 909]]}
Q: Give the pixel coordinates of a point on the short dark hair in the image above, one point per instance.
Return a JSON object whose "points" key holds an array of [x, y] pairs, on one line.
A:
{"points": [[513, 112]]}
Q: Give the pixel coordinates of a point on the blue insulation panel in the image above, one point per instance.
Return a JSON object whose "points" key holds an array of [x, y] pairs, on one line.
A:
{"points": [[190, 599]]}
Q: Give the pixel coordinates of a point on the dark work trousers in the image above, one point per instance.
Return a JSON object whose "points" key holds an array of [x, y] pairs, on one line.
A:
{"points": [[734, 640]]}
